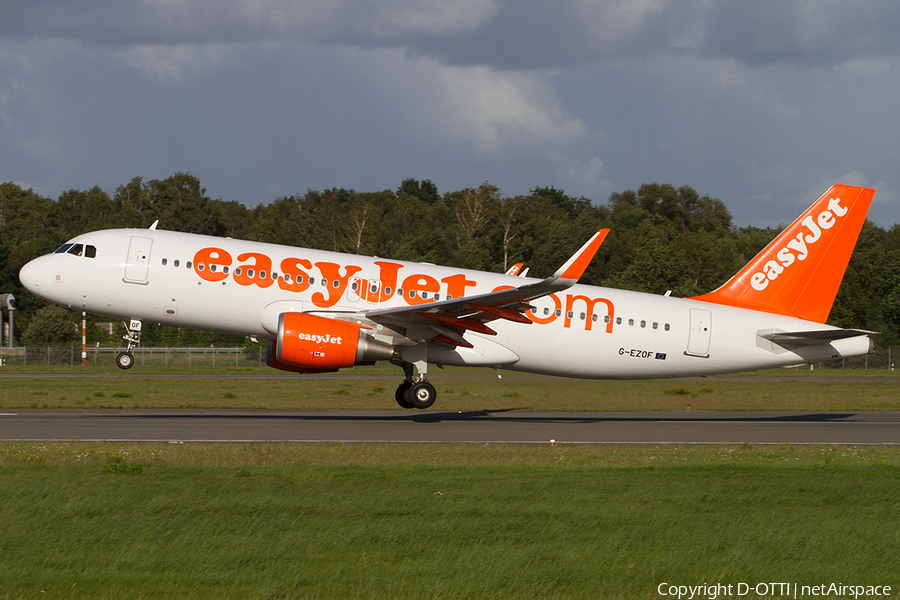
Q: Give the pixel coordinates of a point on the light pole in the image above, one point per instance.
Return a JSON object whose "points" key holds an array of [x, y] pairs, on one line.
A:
{"points": [[8, 301]]}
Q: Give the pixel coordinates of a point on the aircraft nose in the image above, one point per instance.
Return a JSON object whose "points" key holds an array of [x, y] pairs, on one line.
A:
{"points": [[30, 275]]}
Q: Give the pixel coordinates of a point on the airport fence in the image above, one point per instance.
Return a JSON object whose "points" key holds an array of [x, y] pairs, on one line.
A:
{"points": [[254, 355], [188, 357]]}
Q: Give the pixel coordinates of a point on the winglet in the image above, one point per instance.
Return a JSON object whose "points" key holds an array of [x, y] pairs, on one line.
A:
{"points": [[514, 270], [575, 266], [798, 274]]}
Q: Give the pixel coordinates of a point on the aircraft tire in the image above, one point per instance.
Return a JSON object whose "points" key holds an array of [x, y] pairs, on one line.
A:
{"points": [[125, 360], [421, 395], [400, 395]]}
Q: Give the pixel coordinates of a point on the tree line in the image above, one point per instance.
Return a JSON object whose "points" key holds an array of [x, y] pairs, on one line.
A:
{"points": [[662, 238]]}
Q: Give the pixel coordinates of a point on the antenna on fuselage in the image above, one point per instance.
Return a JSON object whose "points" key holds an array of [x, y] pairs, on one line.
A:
{"points": [[155, 223]]}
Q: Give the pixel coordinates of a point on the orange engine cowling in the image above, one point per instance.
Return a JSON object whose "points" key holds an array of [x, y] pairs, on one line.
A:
{"points": [[311, 344]]}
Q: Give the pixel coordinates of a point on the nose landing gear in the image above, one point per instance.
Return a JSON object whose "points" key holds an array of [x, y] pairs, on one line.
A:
{"points": [[125, 360]]}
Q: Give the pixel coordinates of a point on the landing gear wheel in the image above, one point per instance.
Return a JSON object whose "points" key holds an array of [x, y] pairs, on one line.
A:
{"points": [[400, 395], [125, 360], [421, 395]]}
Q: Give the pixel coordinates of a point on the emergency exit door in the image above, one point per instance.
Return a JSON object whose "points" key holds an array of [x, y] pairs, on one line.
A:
{"points": [[701, 329]]}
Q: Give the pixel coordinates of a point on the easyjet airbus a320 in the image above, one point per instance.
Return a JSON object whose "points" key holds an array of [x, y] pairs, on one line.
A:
{"points": [[322, 311]]}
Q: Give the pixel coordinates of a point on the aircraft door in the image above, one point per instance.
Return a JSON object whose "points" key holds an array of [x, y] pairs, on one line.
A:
{"points": [[701, 329], [138, 261]]}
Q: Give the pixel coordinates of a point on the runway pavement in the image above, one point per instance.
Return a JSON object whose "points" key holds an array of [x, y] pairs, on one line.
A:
{"points": [[500, 427]]}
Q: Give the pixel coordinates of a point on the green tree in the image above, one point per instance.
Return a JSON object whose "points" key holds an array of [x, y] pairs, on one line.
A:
{"points": [[51, 325]]}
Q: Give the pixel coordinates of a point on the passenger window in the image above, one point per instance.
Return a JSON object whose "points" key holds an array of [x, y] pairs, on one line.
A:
{"points": [[262, 274], [643, 324], [200, 266], [90, 251], [631, 322], [618, 320], [188, 265], [667, 327], [164, 262], [237, 271], [175, 263], [655, 325]]}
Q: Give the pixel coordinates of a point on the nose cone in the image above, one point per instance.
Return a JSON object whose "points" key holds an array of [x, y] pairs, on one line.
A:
{"points": [[33, 275]]}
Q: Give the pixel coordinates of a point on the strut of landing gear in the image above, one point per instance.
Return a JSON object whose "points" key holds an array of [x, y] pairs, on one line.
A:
{"points": [[414, 392], [125, 360]]}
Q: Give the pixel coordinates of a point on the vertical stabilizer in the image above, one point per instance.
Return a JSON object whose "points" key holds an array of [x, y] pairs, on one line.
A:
{"points": [[799, 272]]}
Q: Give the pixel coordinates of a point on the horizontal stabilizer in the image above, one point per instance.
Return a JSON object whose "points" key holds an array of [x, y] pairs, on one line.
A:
{"points": [[809, 338]]}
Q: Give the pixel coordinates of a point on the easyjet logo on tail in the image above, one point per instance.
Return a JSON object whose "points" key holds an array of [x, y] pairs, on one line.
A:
{"points": [[808, 260], [798, 248]]}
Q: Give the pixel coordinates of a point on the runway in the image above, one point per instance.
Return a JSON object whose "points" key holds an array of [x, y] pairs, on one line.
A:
{"points": [[494, 427]]}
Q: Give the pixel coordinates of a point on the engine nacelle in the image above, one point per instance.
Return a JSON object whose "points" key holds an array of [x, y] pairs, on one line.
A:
{"points": [[312, 344]]}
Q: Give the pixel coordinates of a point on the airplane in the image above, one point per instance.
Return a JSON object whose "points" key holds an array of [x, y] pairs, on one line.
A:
{"points": [[322, 311]]}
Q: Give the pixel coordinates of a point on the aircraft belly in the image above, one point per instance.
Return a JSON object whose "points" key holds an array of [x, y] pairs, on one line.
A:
{"points": [[484, 353]]}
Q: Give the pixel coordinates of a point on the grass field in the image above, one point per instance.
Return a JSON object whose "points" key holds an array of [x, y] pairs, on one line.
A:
{"points": [[458, 389], [189, 521], [347, 521]]}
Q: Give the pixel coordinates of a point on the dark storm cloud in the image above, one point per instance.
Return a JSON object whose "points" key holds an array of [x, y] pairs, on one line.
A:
{"points": [[352, 22], [811, 32], [506, 34], [763, 104]]}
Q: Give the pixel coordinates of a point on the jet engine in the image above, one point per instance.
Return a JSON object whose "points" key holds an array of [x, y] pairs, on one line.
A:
{"points": [[311, 344]]}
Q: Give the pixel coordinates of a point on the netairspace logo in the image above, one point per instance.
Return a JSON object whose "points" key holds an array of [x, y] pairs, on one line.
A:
{"points": [[771, 590]]}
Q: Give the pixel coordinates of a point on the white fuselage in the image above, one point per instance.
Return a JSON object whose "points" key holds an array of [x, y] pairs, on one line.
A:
{"points": [[585, 331]]}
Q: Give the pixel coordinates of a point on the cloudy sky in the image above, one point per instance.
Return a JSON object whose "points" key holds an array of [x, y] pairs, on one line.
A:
{"points": [[762, 104]]}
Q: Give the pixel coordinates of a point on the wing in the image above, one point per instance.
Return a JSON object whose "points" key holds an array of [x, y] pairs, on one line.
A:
{"points": [[448, 320]]}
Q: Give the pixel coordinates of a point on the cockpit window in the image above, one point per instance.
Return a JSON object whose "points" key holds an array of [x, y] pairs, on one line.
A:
{"points": [[77, 250]]}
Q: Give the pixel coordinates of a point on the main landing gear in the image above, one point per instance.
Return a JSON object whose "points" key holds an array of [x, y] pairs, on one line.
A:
{"points": [[125, 360], [414, 392]]}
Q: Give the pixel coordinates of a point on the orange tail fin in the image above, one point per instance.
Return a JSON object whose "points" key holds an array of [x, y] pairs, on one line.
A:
{"points": [[799, 273]]}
